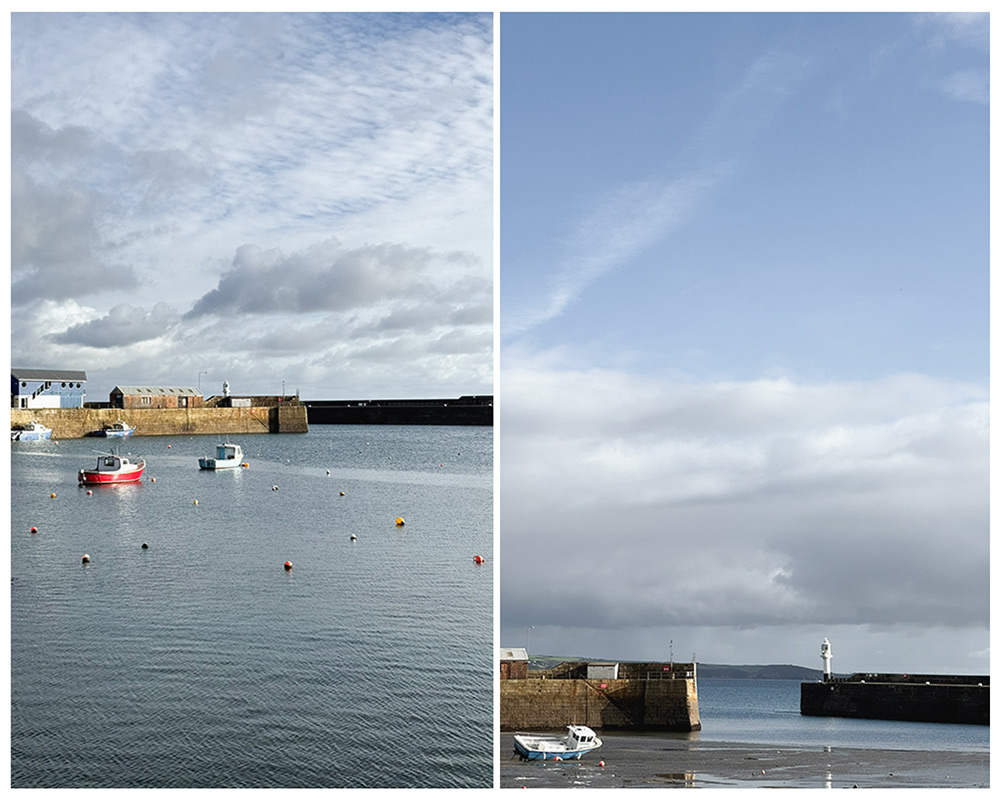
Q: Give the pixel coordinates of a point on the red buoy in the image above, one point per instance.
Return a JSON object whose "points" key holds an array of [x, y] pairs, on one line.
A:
{"points": [[288, 565], [478, 559], [34, 529]]}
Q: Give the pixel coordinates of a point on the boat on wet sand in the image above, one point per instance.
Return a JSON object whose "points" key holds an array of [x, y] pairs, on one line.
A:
{"points": [[227, 456], [113, 468], [578, 741]]}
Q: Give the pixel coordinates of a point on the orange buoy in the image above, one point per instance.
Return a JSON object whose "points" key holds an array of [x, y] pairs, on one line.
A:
{"points": [[288, 565], [85, 559], [400, 521], [153, 480], [478, 559], [52, 495]]}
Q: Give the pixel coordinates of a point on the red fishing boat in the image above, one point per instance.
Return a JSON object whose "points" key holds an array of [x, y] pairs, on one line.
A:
{"points": [[113, 468]]}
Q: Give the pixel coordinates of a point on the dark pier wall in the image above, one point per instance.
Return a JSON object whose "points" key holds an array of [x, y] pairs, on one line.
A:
{"points": [[954, 700], [469, 410]]}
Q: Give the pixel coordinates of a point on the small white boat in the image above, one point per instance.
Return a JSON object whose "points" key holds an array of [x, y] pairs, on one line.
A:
{"points": [[227, 456], [30, 432], [115, 430], [578, 741]]}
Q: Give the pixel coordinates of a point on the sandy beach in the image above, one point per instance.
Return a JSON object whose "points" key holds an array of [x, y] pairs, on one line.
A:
{"points": [[646, 762]]}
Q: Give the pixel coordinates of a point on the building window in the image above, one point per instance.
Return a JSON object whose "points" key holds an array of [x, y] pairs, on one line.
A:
{"points": [[144, 401], [64, 384]]}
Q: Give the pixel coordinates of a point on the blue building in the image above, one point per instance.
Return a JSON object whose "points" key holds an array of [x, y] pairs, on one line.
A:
{"points": [[47, 388]]}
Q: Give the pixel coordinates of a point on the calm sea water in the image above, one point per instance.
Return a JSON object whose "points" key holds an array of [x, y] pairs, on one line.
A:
{"points": [[767, 712], [201, 662]]}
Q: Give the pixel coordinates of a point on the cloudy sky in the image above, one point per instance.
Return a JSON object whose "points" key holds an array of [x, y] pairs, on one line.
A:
{"points": [[744, 364], [285, 199]]}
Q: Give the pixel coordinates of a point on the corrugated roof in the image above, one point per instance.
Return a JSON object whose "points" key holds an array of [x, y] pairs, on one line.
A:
{"points": [[157, 390], [513, 654], [48, 374]]}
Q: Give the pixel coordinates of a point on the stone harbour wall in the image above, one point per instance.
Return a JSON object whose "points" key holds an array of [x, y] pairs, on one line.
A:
{"points": [[75, 423], [624, 704]]}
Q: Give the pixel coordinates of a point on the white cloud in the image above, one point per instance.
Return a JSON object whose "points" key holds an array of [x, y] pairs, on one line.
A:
{"points": [[634, 503], [970, 86], [147, 149], [619, 224]]}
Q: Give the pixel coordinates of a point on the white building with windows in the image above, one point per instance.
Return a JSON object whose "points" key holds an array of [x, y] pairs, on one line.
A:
{"points": [[47, 388]]}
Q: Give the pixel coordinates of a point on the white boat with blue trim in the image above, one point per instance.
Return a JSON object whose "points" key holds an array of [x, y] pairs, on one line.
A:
{"points": [[30, 432], [227, 456], [578, 741], [116, 430]]}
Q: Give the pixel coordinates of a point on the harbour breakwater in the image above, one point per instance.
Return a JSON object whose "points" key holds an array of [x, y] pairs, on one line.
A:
{"points": [[623, 696], [962, 699], [465, 410], [75, 423]]}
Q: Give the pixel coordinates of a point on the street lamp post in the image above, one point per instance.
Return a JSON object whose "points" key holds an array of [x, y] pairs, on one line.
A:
{"points": [[203, 372], [528, 648]]}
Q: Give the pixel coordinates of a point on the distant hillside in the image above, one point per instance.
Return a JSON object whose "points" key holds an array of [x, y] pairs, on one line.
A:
{"points": [[745, 671]]}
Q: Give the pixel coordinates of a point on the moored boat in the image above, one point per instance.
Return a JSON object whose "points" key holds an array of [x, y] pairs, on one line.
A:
{"points": [[30, 432], [113, 468], [578, 741], [115, 430], [227, 456]]}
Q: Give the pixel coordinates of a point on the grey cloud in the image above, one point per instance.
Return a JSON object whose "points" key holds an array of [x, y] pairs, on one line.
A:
{"points": [[326, 277], [820, 511], [54, 239], [123, 326]]}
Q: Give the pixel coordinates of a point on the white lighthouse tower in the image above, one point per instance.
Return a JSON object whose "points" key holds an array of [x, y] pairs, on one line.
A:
{"points": [[825, 652]]}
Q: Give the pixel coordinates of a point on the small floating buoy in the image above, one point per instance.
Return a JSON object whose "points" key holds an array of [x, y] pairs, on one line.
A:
{"points": [[600, 763], [52, 495], [90, 491], [328, 472], [145, 546], [556, 758], [478, 559], [169, 446], [85, 559], [274, 488], [153, 480], [34, 529], [288, 565], [196, 502], [400, 521], [341, 494], [353, 537]]}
